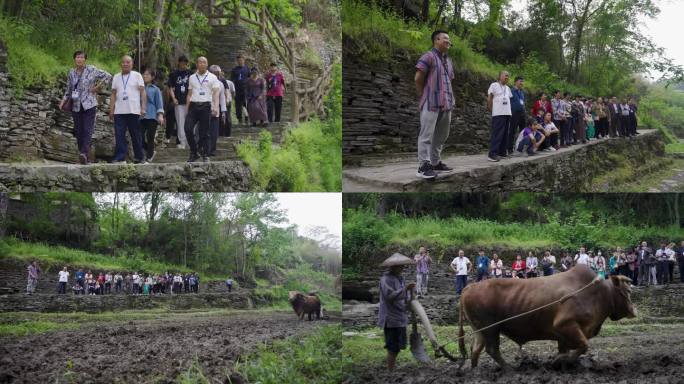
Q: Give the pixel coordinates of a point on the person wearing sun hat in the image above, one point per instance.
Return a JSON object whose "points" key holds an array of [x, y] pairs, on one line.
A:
{"points": [[392, 316]]}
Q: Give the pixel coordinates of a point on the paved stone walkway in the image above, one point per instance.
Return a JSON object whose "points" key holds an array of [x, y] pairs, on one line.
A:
{"points": [[400, 175]]}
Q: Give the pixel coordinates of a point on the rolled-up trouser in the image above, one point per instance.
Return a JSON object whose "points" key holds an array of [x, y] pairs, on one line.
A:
{"points": [[434, 130], [198, 113], [181, 112], [421, 282], [498, 134], [84, 123]]}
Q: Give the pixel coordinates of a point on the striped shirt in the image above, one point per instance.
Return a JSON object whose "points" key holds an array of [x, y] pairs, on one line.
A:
{"points": [[437, 92]]}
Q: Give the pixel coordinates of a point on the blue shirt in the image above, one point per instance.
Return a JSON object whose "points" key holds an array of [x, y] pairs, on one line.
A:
{"points": [[517, 100], [80, 275], [155, 104]]}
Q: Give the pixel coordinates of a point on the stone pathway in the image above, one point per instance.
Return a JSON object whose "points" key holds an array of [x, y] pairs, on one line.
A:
{"points": [[672, 184], [400, 175]]}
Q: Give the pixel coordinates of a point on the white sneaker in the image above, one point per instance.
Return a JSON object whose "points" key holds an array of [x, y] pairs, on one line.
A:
{"points": [[552, 149], [180, 146], [166, 141]]}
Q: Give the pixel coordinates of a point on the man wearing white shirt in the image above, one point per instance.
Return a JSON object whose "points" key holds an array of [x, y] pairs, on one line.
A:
{"points": [[582, 257], [217, 120], [63, 279], [461, 265], [498, 102], [128, 102], [225, 129], [203, 103]]}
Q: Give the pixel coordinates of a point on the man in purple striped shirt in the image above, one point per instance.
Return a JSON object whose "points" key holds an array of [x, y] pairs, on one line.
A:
{"points": [[434, 73]]}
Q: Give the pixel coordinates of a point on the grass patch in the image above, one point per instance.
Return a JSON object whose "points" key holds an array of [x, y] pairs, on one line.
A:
{"points": [[56, 255], [304, 280], [675, 147], [380, 35], [27, 328], [626, 178], [312, 359]]}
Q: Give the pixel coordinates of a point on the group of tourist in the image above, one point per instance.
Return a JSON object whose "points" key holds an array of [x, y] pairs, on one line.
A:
{"points": [[104, 283], [642, 264], [561, 122], [201, 99]]}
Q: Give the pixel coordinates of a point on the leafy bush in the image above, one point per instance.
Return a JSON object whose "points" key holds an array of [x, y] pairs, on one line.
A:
{"points": [[308, 160]]}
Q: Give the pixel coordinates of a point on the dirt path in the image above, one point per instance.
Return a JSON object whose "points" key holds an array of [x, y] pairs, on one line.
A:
{"points": [[651, 355], [143, 351]]}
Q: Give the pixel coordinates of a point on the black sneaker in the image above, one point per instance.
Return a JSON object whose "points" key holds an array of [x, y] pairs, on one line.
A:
{"points": [[441, 167], [493, 159], [425, 171], [193, 158]]}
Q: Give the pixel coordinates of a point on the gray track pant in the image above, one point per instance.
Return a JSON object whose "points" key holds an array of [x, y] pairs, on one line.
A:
{"points": [[434, 130]]}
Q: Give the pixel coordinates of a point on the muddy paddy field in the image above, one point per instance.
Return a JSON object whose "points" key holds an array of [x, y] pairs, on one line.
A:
{"points": [[142, 346]]}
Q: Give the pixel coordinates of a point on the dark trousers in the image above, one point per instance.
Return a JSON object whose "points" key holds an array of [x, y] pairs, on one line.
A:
{"points": [[213, 134], [681, 270], [118, 287], [240, 101], [624, 124], [127, 122], [614, 125], [84, 123], [632, 125], [461, 282], [107, 287], [562, 127], [225, 128], [499, 133], [198, 112], [670, 270], [481, 274], [580, 130], [602, 127], [149, 131], [62, 287], [274, 104], [517, 125], [170, 129], [662, 273], [230, 288], [550, 141]]}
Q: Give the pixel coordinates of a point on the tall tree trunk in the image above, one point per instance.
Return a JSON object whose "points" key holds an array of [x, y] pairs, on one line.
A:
{"points": [[426, 11], [4, 202]]}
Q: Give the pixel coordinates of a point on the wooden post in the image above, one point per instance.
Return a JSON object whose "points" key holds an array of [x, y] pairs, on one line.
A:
{"points": [[294, 89], [263, 20]]}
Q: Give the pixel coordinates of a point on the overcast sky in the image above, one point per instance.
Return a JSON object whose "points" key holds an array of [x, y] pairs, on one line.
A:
{"points": [[306, 210], [664, 29]]}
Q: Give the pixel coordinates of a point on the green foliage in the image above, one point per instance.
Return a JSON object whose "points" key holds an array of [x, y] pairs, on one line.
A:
{"points": [[314, 358], [303, 279], [378, 35], [59, 255], [309, 159], [663, 109], [283, 11], [311, 58], [364, 233], [27, 328]]}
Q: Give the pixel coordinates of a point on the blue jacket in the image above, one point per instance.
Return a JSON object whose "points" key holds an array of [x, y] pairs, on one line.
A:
{"points": [[155, 104], [517, 96], [482, 263]]}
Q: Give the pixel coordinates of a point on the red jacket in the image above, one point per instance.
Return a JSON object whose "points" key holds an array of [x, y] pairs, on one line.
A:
{"points": [[538, 105], [519, 265]]}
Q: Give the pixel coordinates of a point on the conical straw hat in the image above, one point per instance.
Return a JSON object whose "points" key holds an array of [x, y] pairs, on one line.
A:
{"points": [[396, 259]]}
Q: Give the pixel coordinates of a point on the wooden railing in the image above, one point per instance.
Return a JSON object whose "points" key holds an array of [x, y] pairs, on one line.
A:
{"points": [[316, 93], [251, 12]]}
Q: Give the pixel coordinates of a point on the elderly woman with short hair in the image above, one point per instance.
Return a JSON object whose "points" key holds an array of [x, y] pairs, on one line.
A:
{"points": [[80, 98]]}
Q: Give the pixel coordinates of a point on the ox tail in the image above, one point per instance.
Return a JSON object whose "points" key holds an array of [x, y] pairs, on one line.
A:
{"points": [[461, 334]]}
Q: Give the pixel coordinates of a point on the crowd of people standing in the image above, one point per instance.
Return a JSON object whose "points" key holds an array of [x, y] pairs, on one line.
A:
{"points": [[196, 112], [643, 264], [549, 125]]}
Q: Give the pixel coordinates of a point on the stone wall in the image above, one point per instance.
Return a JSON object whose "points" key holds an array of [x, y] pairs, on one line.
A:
{"points": [[94, 304], [380, 109], [223, 176], [32, 127]]}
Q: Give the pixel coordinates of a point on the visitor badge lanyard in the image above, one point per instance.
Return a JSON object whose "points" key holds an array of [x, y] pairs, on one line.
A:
{"points": [[201, 83], [125, 83], [74, 93], [503, 97]]}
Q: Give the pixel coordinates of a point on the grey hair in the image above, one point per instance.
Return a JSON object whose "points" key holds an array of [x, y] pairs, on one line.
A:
{"points": [[502, 72], [214, 68]]}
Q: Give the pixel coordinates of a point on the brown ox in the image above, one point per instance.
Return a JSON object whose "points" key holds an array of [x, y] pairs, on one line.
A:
{"points": [[305, 304], [570, 322]]}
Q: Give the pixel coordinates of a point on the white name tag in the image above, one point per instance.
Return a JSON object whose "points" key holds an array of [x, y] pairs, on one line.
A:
{"points": [[182, 89], [75, 95], [522, 102]]}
